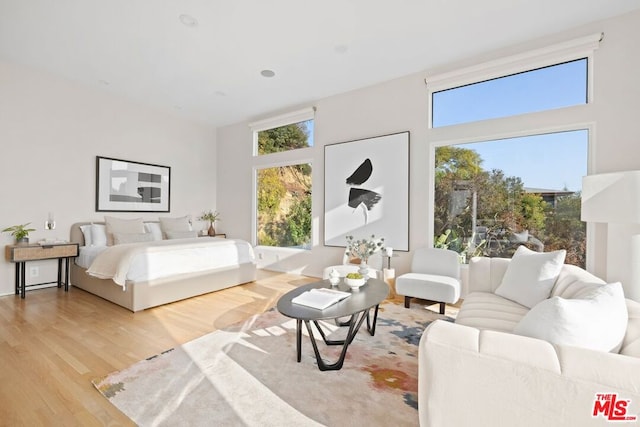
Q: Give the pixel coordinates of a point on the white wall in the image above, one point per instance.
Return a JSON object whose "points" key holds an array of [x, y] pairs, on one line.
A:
{"points": [[401, 105], [51, 131]]}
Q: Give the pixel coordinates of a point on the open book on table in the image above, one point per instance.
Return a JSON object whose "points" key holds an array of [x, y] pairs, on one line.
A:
{"points": [[320, 298]]}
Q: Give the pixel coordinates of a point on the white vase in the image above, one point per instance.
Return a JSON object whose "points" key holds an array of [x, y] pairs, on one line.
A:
{"points": [[364, 270]]}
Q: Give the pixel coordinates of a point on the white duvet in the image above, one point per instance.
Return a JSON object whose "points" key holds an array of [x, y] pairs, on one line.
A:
{"points": [[136, 262]]}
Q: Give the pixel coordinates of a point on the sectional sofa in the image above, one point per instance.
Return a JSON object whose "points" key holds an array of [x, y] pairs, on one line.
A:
{"points": [[570, 360]]}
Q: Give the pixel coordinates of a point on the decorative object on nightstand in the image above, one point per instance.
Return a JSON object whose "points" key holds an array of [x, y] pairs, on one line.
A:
{"points": [[20, 232], [211, 217]]}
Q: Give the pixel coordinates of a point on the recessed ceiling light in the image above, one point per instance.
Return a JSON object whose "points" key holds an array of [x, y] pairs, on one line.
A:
{"points": [[341, 48], [267, 73], [188, 20]]}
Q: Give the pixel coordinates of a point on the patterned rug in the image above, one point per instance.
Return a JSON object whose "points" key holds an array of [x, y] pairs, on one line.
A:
{"points": [[248, 375]]}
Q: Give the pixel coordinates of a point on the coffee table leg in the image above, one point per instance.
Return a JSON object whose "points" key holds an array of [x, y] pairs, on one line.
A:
{"points": [[299, 338], [371, 327], [353, 330]]}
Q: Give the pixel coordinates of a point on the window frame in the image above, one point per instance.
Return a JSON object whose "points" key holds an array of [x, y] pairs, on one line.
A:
{"points": [[562, 119]]}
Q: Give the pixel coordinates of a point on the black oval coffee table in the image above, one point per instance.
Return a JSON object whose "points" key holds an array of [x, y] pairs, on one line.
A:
{"points": [[357, 307]]}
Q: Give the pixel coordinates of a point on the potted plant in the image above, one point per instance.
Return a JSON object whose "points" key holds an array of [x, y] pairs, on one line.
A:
{"points": [[20, 232], [211, 217]]}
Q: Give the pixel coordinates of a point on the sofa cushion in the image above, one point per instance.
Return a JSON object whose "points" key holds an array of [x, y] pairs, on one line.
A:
{"points": [[596, 318], [485, 310], [531, 275]]}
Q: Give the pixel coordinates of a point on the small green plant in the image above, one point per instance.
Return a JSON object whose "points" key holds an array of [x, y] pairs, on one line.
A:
{"points": [[211, 216], [19, 231], [354, 276]]}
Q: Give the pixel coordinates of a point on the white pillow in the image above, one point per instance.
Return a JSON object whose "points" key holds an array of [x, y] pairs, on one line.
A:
{"points": [[98, 235], [119, 225], [86, 232], [154, 229], [121, 238], [530, 276], [181, 234], [174, 224], [596, 320]]}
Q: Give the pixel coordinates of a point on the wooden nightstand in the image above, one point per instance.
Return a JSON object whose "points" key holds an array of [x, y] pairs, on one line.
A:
{"points": [[20, 254]]}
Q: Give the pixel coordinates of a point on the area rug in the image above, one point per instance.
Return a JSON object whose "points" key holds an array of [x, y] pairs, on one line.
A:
{"points": [[247, 375]]}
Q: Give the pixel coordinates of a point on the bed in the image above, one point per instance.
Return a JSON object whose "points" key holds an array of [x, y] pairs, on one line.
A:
{"points": [[145, 292]]}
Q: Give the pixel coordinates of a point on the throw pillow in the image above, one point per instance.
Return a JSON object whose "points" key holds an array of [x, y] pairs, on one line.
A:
{"points": [[154, 229], [181, 234], [86, 232], [174, 224], [530, 276], [119, 225], [596, 320], [98, 235], [121, 238]]}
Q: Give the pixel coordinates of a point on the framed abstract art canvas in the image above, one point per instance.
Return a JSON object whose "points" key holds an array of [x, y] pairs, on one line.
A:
{"points": [[366, 190]]}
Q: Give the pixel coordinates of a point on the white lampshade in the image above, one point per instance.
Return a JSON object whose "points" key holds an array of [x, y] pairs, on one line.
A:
{"points": [[611, 198]]}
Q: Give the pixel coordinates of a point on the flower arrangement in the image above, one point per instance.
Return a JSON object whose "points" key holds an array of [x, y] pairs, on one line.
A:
{"points": [[364, 248], [210, 216]]}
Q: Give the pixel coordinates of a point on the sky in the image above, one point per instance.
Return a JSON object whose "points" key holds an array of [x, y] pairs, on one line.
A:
{"points": [[553, 161]]}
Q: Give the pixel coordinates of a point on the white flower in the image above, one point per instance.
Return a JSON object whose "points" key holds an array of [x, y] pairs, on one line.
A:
{"points": [[364, 248]]}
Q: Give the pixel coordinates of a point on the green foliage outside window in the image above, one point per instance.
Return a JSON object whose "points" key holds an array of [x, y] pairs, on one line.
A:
{"points": [[501, 211], [284, 193]]}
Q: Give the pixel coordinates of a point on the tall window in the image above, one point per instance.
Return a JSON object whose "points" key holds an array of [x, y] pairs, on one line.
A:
{"points": [[492, 195], [283, 185]]}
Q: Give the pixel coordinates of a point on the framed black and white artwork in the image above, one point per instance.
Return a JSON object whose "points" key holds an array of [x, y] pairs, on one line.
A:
{"points": [[366, 190], [127, 186]]}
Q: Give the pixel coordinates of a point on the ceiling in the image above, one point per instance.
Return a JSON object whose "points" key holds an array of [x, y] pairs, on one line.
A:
{"points": [[211, 72]]}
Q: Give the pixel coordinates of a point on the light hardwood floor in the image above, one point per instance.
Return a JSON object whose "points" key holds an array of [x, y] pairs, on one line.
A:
{"points": [[52, 344]]}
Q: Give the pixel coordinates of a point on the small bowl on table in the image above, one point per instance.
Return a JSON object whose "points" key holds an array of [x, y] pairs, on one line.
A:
{"points": [[354, 284]]}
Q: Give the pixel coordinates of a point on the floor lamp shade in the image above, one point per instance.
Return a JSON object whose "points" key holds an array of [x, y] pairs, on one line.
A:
{"points": [[611, 198]]}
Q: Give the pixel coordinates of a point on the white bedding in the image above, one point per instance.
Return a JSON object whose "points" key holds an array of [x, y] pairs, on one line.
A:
{"points": [[87, 254], [136, 262]]}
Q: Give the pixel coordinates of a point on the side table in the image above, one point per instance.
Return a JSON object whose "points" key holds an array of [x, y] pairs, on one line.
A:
{"points": [[20, 254]]}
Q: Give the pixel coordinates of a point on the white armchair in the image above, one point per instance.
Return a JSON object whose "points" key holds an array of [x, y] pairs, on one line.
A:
{"points": [[434, 277]]}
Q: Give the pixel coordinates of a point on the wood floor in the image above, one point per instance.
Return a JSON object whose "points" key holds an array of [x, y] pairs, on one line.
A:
{"points": [[52, 344]]}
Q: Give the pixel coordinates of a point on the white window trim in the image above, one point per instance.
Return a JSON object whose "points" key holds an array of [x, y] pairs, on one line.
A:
{"points": [[571, 50]]}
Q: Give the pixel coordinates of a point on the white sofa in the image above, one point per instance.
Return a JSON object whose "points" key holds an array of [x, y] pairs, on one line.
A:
{"points": [[476, 372]]}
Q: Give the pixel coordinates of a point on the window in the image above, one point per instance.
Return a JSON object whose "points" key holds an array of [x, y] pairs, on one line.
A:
{"points": [[285, 138], [283, 180], [493, 196], [555, 86], [284, 206], [516, 181]]}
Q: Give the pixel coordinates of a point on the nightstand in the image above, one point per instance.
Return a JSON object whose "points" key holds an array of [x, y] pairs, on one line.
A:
{"points": [[20, 254]]}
